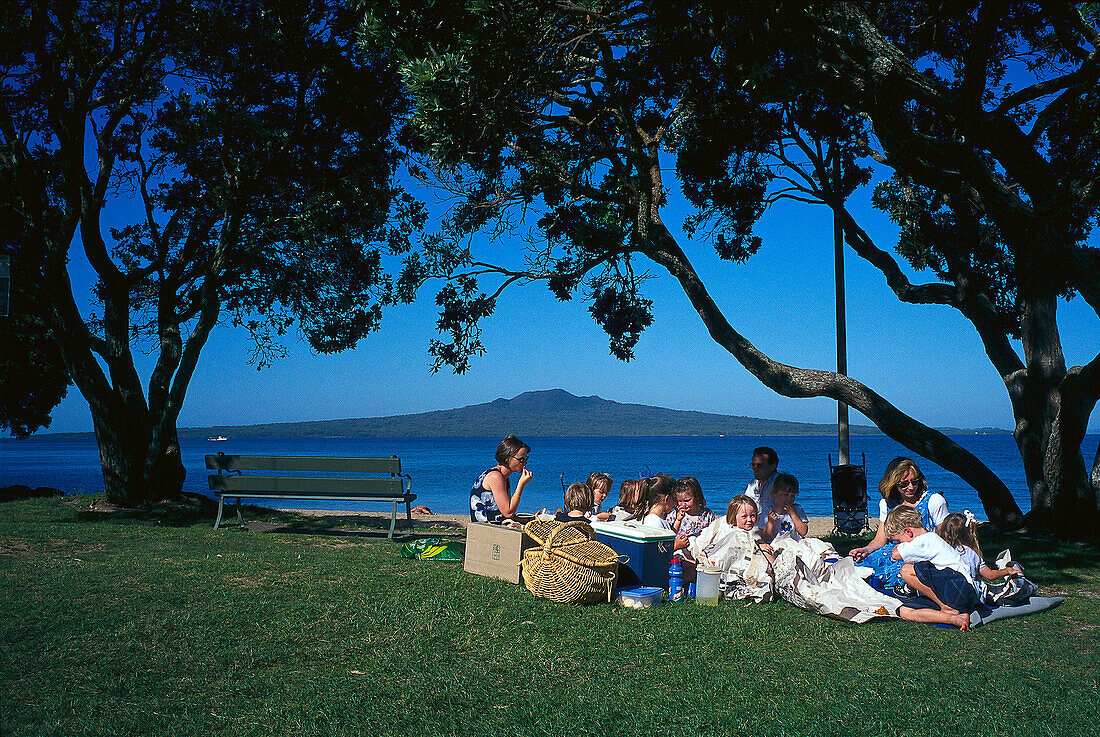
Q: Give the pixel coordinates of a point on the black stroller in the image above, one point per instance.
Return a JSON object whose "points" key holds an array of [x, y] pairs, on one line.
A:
{"points": [[849, 483]]}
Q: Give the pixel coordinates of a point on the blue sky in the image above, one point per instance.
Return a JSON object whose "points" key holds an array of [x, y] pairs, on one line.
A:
{"points": [[927, 360]]}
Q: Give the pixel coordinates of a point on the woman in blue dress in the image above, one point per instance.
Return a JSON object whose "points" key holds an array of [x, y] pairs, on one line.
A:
{"points": [[491, 497], [903, 483]]}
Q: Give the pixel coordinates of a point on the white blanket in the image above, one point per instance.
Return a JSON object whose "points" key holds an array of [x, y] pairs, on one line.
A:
{"points": [[808, 573], [745, 570]]}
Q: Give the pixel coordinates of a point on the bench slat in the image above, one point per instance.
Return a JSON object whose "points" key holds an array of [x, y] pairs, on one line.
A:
{"points": [[391, 488], [290, 485], [225, 461]]}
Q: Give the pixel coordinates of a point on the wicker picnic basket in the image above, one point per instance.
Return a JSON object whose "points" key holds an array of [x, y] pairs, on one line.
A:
{"points": [[568, 566]]}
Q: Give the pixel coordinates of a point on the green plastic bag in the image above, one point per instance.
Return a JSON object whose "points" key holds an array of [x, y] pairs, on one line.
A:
{"points": [[433, 548]]}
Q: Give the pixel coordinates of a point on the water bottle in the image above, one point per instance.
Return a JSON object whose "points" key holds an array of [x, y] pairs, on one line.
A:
{"points": [[675, 582]]}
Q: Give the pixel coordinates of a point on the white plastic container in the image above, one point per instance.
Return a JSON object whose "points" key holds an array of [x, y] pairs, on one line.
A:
{"points": [[639, 597], [706, 585]]}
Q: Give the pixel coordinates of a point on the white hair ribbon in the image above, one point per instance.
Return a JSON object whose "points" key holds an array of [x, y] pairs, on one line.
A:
{"points": [[970, 519]]}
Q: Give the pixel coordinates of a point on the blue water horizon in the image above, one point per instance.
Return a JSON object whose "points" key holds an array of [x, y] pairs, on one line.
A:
{"points": [[443, 469]]}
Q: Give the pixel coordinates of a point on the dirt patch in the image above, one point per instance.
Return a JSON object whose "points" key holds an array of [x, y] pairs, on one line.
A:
{"points": [[247, 583], [99, 504], [336, 544], [17, 547], [96, 548]]}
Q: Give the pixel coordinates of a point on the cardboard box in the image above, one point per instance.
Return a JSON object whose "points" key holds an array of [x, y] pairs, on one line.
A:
{"points": [[495, 551]]}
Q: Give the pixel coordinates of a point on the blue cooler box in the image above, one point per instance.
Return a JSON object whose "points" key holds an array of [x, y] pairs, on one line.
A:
{"points": [[648, 548]]}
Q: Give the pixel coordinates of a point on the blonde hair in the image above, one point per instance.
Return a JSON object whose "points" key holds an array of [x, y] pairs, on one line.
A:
{"points": [[895, 472], [901, 517], [632, 497], [957, 530], [690, 485], [741, 500], [579, 497]]}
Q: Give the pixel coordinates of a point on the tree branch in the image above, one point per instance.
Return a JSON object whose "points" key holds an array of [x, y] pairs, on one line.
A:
{"points": [[796, 382], [976, 67]]}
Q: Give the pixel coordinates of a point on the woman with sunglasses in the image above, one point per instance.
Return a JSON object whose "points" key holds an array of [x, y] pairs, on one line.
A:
{"points": [[492, 498], [902, 484]]}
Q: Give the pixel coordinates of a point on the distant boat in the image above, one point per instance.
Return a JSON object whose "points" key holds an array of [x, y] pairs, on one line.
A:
{"points": [[219, 439]]}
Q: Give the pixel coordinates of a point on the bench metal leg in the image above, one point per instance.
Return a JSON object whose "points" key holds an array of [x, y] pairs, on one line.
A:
{"points": [[409, 514], [393, 520], [237, 506]]}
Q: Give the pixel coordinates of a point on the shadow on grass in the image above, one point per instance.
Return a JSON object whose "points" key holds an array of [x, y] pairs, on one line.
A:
{"points": [[349, 526], [1046, 561], [845, 543], [195, 509], [188, 511]]}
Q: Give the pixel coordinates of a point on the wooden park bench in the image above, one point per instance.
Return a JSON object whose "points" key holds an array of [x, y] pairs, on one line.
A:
{"points": [[363, 480]]}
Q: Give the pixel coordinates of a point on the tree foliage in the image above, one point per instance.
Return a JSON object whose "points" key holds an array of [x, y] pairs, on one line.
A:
{"points": [[32, 372], [983, 115], [249, 150], [986, 114]]}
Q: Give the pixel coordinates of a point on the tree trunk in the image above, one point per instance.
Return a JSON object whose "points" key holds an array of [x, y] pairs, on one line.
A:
{"points": [[1094, 482], [135, 472], [1072, 494]]}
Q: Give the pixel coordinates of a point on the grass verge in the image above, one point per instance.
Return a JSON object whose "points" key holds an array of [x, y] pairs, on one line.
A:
{"points": [[155, 624]]}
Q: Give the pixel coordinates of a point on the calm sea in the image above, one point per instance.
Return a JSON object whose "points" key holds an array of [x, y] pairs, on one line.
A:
{"points": [[443, 469]]}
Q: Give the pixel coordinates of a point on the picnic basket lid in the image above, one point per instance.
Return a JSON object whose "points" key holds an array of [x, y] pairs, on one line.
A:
{"points": [[568, 566]]}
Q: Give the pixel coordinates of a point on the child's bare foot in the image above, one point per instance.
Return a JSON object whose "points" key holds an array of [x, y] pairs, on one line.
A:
{"points": [[962, 621], [948, 610]]}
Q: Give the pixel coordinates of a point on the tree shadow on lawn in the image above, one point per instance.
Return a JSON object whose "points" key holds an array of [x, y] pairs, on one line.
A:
{"points": [[188, 511], [196, 509], [1046, 561], [356, 526]]}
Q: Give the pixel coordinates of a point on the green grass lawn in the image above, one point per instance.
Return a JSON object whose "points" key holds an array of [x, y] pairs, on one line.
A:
{"points": [[157, 624]]}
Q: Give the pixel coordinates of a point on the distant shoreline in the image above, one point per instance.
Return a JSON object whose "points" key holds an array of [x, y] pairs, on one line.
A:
{"points": [[554, 413], [203, 433]]}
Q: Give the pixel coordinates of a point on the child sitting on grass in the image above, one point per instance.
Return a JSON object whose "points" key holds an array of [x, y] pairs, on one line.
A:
{"points": [[732, 544], [631, 504], [741, 513], [958, 531], [600, 484], [691, 515], [578, 504], [658, 504], [784, 518], [934, 569]]}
